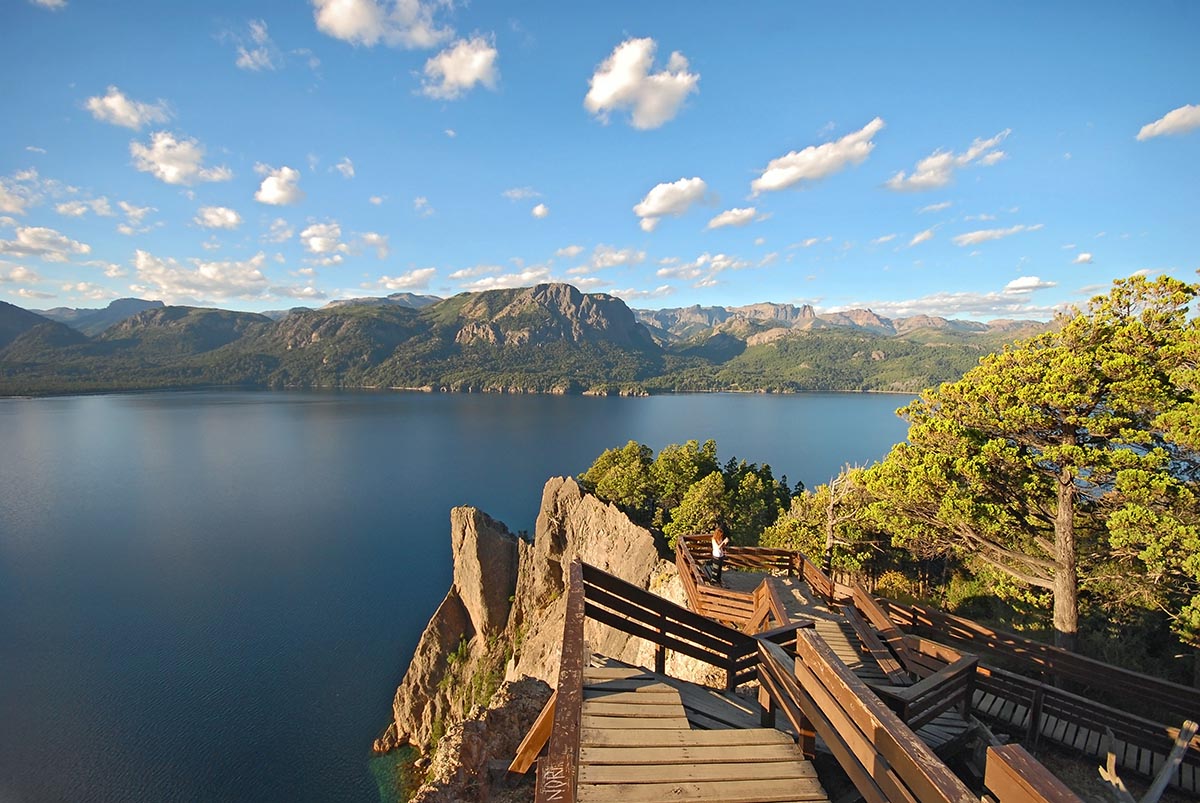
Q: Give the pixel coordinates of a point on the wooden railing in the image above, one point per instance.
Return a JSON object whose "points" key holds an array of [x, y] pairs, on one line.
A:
{"points": [[557, 773], [1014, 776], [1121, 686], [882, 756], [750, 613]]}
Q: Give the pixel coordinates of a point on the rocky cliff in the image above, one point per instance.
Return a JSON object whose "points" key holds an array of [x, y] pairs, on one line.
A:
{"points": [[501, 623]]}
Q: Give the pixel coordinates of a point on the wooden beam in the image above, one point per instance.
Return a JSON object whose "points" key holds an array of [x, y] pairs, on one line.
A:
{"points": [[535, 740]]}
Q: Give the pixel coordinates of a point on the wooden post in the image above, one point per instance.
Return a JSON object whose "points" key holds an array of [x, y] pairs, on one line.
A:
{"points": [[1034, 731], [767, 716], [660, 651]]}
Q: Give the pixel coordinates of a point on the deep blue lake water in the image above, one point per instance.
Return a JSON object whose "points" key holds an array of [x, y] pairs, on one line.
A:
{"points": [[212, 596]]}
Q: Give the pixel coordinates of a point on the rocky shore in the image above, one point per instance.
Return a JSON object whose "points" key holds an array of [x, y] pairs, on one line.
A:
{"points": [[486, 662]]}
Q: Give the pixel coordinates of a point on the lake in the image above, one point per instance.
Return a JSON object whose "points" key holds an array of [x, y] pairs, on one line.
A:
{"points": [[212, 596]]}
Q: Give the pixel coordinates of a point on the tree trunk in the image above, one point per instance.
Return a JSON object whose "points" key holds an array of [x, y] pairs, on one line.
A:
{"points": [[1066, 578]]}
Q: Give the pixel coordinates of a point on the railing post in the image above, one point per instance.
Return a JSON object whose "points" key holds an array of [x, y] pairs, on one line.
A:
{"points": [[1034, 731], [660, 651], [767, 717]]}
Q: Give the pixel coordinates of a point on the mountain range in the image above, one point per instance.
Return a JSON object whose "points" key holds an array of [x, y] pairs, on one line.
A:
{"points": [[548, 338]]}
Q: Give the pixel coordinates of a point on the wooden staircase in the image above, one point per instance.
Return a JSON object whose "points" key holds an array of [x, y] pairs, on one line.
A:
{"points": [[636, 745]]}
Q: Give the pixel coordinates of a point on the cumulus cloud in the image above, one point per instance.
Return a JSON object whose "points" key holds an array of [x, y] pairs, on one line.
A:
{"points": [[534, 274], [457, 69], [818, 161], [1176, 121], [15, 274], [279, 231], [1027, 284], [630, 294], [413, 280], [937, 169], [323, 238], [259, 52], [981, 305], [53, 5], [1083, 258], [379, 242], [170, 280], [117, 109], [376, 200], [921, 237], [217, 217], [540, 211], [345, 167], [570, 251], [703, 270], [624, 82], [984, 235], [738, 216], [175, 161], [397, 23], [608, 256], [672, 198], [280, 187], [46, 244], [79, 208], [135, 214], [476, 270], [421, 206]]}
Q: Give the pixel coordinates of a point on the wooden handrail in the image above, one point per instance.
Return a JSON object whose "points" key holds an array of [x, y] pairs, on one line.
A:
{"points": [[884, 759], [557, 774], [1014, 776], [949, 687], [1131, 688]]}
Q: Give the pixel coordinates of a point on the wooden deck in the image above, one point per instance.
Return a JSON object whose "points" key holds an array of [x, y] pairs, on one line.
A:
{"points": [[945, 735], [638, 744]]}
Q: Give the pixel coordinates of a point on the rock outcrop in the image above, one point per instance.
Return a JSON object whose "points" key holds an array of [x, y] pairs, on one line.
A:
{"points": [[502, 621]]}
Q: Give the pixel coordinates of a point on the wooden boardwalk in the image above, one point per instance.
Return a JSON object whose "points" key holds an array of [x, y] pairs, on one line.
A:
{"points": [[638, 745], [946, 734]]}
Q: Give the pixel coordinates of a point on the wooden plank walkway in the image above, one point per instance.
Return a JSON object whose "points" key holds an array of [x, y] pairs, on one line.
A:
{"points": [[945, 735], [638, 746]]}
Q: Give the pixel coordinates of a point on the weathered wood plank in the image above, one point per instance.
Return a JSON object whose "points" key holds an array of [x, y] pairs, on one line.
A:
{"points": [[1014, 776], [757, 736], [676, 773], [713, 792], [627, 723], [667, 709], [687, 754]]}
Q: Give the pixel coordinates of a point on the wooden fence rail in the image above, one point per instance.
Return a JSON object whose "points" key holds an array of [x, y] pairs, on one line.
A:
{"points": [[1014, 776]]}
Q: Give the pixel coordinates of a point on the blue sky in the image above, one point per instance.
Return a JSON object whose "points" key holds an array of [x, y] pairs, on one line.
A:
{"points": [[968, 160]]}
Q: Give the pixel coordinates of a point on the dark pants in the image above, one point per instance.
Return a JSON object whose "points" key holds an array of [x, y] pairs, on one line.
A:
{"points": [[718, 565]]}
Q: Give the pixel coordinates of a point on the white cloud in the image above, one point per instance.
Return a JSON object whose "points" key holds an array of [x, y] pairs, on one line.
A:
{"points": [[1027, 284], [88, 290], [53, 5], [175, 161], [672, 198], [921, 237], [760, 240], [570, 251], [768, 259], [938, 207], [450, 132], [703, 270], [18, 273], [77, 208], [607, 256], [421, 206], [280, 187], [458, 68], [117, 109], [23, 189], [534, 274], [818, 161], [217, 217], [47, 244], [33, 294], [413, 280], [631, 294], [379, 242], [135, 214], [35, 149], [376, 200], [111, 269], [887, 238], [521, 193], [280, 231], [398, 23], [1083, 258], [1176, 121], [323, 238], [260, 53], [986, 305], [345, 167], [477, 270], [540, 211], [738, 216], [938, 168], [810, 242], [171, 281], [984, 235], [624, 81]]}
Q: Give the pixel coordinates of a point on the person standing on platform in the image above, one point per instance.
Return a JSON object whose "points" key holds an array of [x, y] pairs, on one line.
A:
{"points": [[720, 542]]}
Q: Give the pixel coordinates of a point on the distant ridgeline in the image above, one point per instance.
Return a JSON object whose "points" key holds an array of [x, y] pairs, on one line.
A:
{"points": [[545, 339]]}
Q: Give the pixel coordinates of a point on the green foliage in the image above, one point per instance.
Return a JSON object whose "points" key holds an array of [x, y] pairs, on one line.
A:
{"points": [[685, 490], [1048, 455]]}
